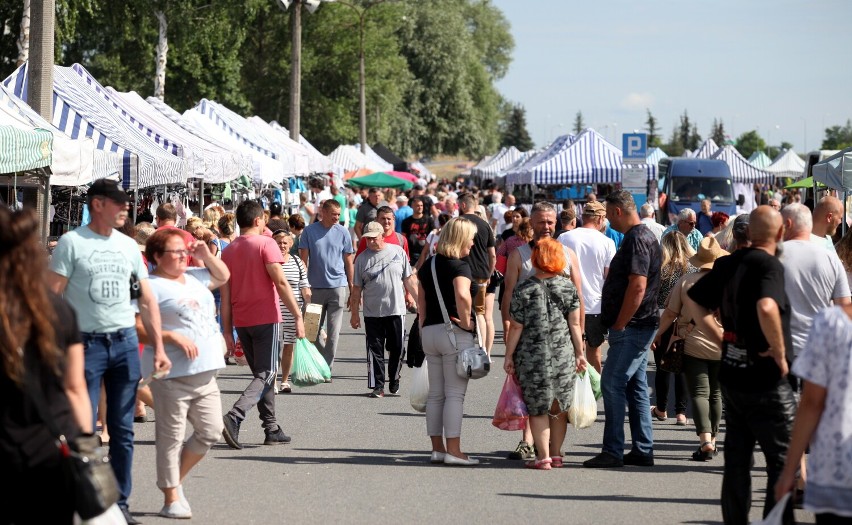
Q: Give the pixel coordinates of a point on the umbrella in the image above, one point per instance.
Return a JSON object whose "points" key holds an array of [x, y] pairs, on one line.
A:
{"points": [[357, 173], [380, 180], [410, 177], [807, 182]]}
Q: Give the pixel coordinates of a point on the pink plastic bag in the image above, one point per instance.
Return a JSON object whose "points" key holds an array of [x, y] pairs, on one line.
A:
{"points": [[511, 412]]}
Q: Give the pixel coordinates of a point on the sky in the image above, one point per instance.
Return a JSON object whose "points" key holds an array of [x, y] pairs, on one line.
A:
{"points": [[771, 66]]}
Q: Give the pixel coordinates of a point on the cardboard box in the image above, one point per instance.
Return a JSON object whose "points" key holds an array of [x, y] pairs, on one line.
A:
{"points": [[313, 312]]}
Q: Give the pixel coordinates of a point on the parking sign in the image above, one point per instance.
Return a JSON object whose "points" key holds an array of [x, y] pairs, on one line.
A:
{"points": [[634, 147]]}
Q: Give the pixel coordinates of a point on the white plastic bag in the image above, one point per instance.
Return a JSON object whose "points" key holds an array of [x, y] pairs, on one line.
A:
{"points": [[584, 408], [776, 515], [112, 516], [419, 391]]}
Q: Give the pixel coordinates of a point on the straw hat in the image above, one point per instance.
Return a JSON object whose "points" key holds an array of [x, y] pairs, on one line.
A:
{"points": [[708, 251]]}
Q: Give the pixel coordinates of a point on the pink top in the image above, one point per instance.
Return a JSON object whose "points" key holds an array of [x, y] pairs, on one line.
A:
{"points": [[254, 299], [510, 244]]}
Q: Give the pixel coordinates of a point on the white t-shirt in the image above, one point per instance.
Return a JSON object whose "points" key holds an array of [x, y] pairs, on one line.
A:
{"points": [[189, 309], [432, 240], [497, 212], [656, 228], [594, 251], [812, 278]]}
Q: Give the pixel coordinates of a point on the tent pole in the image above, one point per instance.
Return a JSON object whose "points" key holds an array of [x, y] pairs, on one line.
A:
{"points": [[45, 209], [201, 198], [135, 203]]}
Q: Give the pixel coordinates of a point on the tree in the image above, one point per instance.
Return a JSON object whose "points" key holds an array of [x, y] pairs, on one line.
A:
{"points": [[717, 132], [516, 133], [684, 131], [749, 142], [675, 147], [838, 137], [654, 140], [579, 124], [694, 138]]}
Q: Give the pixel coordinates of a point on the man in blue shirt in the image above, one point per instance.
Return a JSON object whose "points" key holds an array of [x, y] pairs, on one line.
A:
{"points": [[686, 225], [403, 211], [326, 249]]}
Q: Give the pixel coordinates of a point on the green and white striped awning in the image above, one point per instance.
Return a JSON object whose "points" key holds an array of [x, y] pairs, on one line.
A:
{"points": [[24, 150]]}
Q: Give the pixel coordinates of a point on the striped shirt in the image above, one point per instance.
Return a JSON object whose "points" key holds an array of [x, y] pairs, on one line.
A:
{"points": [[297, 277]]}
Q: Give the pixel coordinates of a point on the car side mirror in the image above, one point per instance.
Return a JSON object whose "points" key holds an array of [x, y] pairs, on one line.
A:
{"points": [[740, 199]]}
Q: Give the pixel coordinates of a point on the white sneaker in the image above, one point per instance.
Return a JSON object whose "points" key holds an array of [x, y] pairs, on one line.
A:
{"points": [[176, 510], [182, 498]]}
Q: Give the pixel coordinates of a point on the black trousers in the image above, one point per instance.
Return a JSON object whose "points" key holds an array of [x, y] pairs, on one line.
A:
{"points": [[382, 333], [765, 418]]}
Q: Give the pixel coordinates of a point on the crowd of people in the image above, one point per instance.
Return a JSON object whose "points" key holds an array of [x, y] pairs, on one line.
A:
{"points": [[760, 300]]}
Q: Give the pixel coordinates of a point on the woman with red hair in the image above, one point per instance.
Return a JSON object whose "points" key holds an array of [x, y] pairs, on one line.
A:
{"points": [[544, 349]]}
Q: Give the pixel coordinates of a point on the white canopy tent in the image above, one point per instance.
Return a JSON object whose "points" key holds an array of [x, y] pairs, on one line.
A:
{"points": [[319, 162], [760, 160], [707, 150], [787, 164], [350, 158], [835, 171]]}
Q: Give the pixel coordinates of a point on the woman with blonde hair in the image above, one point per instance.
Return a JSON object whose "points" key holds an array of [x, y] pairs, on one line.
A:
{"points": [[445, 404], [676, 254], [544, 349]]}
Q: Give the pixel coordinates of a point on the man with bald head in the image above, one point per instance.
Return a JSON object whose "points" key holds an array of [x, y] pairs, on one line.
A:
{"points": [[747, 288], [828, 214]]}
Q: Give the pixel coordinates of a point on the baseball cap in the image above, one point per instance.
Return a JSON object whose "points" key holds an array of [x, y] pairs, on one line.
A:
{"points": [[594, 208], [740, 228], [109, 189], [373, 229]]}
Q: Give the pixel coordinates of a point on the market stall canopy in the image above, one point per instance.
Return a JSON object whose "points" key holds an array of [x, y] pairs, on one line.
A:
{"points": [[301, 157], [525, 156], [590, 159], [741, 169], [787, 164], [522, 174], [835, 171], [707, 150], [655, 155], [350, 158], [380, 180], [760, 160], [72, 160], [498, 163], [80, 111], [357, 173], [807, 182], [388, 156], [24, 149], [319, 162], [374, 157], [404, 175], [422, 171]]}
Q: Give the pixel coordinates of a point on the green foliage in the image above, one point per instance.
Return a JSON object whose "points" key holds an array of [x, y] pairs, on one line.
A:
{"points": [[694, 141], [838, 137], [579, 123], [516, 133], [749, 142], [717, 132], [654, 140]]}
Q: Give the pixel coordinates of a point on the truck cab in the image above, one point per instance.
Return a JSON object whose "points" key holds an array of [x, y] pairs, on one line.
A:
{"points": [[686, 182]]}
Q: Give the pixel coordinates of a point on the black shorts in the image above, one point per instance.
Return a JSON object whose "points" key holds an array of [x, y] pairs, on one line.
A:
{"points": [[595, 331]]}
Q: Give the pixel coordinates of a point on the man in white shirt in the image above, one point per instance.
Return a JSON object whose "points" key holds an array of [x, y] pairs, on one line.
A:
{"points": [[594, 251], [646, 212], [498, 210], [827, 216]]}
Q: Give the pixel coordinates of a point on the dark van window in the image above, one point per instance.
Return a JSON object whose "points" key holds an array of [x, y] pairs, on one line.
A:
{"points": [[696, 189]]}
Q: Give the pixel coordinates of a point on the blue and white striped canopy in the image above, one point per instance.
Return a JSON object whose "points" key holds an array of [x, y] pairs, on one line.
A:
{"points": [[524, 157], [234, 126], [498, 163], [707, 150], [319, 162], [350, 158], [80, 111], [759, 159], [521, 174], [655, 155], [590, 159], [741, 169]]}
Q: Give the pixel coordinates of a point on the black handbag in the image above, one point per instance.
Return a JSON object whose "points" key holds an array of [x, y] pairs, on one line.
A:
{"points": [[672, 358], [496, 279], [85, 462], [415, 356]]}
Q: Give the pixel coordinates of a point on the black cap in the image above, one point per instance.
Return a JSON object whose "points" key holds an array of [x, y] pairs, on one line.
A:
{"points": [[109, 189], [740, 228]]}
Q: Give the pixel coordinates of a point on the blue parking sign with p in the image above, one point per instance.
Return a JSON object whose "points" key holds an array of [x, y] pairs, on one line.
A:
{"points": [[634, 146]]}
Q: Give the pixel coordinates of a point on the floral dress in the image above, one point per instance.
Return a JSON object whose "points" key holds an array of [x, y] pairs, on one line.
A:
{"points": [[544, 358]]}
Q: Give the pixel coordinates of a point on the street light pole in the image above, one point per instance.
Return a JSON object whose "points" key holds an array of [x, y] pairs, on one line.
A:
{"points": [[296, 71]]}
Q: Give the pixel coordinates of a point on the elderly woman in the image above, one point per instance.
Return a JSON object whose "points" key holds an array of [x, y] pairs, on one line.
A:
{"points": [[445, 404], [676, 254], [196, 348], [545, 348], [297, 276], [702, 350]]}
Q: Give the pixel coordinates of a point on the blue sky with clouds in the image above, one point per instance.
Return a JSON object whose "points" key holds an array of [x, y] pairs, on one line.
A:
{"points": [[774, 66]]}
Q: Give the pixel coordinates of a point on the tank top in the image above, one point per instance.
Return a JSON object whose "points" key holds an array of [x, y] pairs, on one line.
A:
{"points": [[527, 270]]}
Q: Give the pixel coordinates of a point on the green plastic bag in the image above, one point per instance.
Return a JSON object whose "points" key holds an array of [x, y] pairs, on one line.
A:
{"points": [[595, 378], [309, 367]]}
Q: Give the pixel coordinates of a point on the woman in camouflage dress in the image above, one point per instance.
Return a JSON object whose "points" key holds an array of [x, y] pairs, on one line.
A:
{"points": [[545, 349]]}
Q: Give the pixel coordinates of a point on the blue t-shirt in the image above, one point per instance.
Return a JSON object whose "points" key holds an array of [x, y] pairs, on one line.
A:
{"points": [[98, 270], [326, 247], [401, 214], [616, 236]]}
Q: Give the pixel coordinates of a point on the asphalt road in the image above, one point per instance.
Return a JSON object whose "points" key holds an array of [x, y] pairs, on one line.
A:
{"points": [[354, 459]]}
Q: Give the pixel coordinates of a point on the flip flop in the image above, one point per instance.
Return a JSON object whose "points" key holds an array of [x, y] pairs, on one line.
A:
{"points": [[656, 416]]}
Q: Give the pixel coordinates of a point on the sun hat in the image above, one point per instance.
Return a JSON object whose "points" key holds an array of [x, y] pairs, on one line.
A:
{"points": [[708, 251]]}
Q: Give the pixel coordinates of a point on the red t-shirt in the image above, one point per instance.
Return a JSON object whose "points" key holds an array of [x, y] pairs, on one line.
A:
{"points": [[394, 238], [187, 239], [254, 299]]}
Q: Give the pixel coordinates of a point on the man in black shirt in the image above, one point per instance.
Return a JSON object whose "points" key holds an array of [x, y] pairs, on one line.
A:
{"points": [[416, 228], [629, 311], [747, 288], [482, 259]]}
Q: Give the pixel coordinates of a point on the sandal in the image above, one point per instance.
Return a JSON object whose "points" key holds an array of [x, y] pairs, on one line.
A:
{"points": [[704, 455], [285, 387], [556, 462], [681, 420], [656, 415], [539, 464]]}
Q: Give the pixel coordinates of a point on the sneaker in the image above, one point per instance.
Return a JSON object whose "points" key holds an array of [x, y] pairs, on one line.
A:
{"points": [[182, 498], [636, 459], [276, 438], [231, 432], [523, 451], [285, 387], [176, 510], [394, 387], [377, 392], [603, 460]]}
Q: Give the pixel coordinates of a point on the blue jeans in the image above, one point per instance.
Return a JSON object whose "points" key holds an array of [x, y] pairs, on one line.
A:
{"points": [[114, 357], [624, 383]]}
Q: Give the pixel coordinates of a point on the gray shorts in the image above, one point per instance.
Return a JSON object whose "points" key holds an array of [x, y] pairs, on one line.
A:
{"points": [[595, 331]]}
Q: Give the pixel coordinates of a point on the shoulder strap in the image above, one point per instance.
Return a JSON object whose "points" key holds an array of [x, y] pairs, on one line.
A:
{"points": [[448, 325], [399, 239]]}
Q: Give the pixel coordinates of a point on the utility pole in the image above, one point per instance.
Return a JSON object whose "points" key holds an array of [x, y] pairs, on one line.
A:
{"points": [[40, 84], [296, 70]]}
